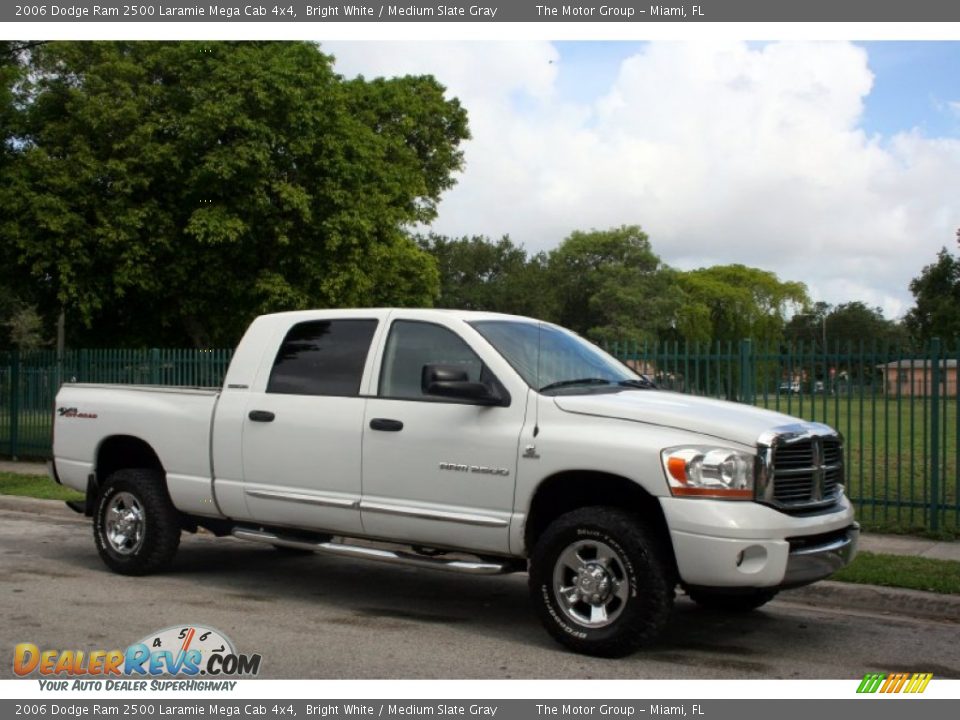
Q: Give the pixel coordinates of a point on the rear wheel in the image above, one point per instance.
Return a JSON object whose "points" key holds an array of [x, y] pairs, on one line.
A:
{"points": [[600, 582], [135, 526], [732, 602]]}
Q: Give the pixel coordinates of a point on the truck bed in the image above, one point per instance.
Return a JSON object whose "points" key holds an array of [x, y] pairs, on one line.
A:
{"points": [[174, 421]]}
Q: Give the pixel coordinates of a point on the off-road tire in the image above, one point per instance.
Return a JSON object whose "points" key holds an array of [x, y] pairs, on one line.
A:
{"points": [[644, 575], [160, 526], [732, 602]]}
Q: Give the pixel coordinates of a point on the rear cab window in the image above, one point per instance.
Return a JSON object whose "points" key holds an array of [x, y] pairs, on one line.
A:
{"points": [[322, 357]]}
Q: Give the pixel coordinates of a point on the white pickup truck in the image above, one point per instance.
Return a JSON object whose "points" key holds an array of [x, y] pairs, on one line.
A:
{"points": [[471, 442]]}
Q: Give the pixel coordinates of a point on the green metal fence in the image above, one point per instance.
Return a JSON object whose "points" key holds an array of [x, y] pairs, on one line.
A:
{"points": [[897, 408], [29, 383]]}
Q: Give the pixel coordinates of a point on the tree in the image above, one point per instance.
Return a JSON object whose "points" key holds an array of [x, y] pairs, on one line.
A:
{"points": [[610, 285], [169, 192], [13, 56], [20, 324], [733, 302], [477, 273], [936, 292], [25, 328], [807, 324], [856, 322]]}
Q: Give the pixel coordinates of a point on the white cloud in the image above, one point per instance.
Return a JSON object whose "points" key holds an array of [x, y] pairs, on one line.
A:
{"points": [[724, 153]]}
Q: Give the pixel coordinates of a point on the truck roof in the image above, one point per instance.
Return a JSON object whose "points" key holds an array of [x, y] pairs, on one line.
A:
{"points": [[419, 313]]}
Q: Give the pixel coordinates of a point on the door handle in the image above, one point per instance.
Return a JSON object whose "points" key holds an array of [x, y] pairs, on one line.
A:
{"points": [[261, 416], [386, 425]]}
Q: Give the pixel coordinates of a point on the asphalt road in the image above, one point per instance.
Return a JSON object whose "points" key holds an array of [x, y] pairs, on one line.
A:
{"points": [[320, 617]]}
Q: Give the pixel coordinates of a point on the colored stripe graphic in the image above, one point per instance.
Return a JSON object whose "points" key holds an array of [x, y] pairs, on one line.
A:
{"points": [[895, 682], [919, 683], [871, 682]]}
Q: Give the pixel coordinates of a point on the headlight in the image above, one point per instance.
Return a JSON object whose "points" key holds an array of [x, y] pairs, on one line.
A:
{"points": [[709, 471]]}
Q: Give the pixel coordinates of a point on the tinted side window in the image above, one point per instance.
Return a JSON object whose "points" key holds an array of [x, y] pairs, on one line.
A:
{"points": [[412, 345], [322, 357]]}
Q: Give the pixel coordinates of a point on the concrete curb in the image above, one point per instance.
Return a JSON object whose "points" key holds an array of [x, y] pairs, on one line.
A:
{"points": [[825, 594], [874, 598]]}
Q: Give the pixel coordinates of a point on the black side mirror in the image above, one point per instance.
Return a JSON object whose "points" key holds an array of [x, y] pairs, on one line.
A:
{"points": [[450, 381]]}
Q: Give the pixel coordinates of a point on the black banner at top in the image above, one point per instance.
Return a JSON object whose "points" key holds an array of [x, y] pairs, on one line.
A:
{"points": [[301, 11]]}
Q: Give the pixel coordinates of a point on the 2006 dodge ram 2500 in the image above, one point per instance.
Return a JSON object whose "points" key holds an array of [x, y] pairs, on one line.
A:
{"points": [[472, 442]]}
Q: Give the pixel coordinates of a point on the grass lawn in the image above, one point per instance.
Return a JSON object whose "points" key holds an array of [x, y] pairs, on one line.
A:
{"points": [[939, 576], [36, 486]]}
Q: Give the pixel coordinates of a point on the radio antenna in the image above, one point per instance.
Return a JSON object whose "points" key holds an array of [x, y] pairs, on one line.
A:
{"points": [[536, 409]]}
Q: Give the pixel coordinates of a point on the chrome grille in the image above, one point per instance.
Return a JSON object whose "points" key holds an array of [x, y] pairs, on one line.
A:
{"points": [[803, 467]]}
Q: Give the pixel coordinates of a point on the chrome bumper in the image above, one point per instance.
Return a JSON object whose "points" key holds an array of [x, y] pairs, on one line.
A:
{"points": [[815, 562]]}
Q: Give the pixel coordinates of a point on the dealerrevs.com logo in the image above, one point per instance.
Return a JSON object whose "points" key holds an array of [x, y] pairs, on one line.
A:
{"points": [[181, 651]]}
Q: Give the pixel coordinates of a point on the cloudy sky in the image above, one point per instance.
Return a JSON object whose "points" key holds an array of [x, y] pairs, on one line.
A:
{"points": [[837, 164]]}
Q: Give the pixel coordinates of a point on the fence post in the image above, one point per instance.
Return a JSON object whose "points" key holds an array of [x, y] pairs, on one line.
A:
{"points": [[935, 376], [155, 366], [14, 403], [83, 366], [746, 371]]}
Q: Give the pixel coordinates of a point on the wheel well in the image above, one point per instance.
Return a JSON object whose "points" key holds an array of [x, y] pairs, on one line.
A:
{"points": [[566, 491], [124, 451]]}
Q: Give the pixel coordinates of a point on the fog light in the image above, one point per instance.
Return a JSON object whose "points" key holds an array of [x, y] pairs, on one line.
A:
{"points": [[752, 560]]}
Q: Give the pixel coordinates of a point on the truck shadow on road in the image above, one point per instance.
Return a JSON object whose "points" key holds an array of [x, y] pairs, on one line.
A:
{"points": [[317, 616], [389, 598]]}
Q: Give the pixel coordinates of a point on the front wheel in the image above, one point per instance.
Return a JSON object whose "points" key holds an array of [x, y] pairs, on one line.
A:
{"points": [[136, 528], [600, 581]]}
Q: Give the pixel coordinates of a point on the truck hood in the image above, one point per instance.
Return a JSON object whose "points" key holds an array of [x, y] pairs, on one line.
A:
{"points": [[717, 418]]}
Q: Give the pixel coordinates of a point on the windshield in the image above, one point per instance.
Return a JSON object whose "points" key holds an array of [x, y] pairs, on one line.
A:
{"points": [[550, 358]]}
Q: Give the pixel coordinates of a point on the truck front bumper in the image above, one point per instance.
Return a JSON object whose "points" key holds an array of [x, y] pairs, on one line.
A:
{"points": [[815, 560], [730, 544]]}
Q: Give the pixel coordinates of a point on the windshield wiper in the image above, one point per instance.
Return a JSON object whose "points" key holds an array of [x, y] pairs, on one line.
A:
{"points": [[571, 383], [642, 384]]}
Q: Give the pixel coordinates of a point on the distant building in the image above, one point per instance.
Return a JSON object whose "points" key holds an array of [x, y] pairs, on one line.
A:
{"points": [[915, 377]]}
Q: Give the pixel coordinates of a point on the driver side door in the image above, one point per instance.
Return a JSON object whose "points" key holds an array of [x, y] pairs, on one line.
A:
{"points": [[437, 470]]}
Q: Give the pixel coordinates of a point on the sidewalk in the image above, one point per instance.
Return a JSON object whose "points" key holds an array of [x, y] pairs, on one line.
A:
{"points": [[871, 542], [23, 468]]}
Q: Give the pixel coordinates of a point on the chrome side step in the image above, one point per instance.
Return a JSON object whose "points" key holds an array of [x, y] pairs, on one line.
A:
{"points": [[398, 557]]}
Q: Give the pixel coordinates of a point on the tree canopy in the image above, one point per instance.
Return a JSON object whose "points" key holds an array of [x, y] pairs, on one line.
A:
{"points": [[609, 284], [845, 323], [477, 273], [937, 294], [204, 183], [730, 302], [164, 193]]}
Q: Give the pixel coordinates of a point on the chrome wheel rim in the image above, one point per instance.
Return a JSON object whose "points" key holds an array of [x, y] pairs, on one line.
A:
{"points": [[590, 583], [124, 523]]}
